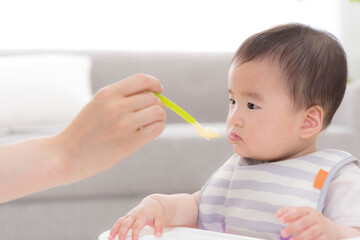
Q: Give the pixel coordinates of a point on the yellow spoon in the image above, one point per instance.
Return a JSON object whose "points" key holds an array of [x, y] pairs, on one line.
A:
{"points": [[203, 132]]}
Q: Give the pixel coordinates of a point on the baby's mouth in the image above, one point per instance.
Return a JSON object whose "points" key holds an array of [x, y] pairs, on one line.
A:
{"points": [[234, 137]]}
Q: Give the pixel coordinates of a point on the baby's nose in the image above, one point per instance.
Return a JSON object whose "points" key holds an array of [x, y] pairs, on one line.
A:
{"points": [[235, 118]]}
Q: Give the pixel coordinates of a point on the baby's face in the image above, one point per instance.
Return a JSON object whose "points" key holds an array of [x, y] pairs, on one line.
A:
{"points": [[261, 122]]}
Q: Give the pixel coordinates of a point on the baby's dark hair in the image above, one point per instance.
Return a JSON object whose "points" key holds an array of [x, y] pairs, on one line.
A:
{"points": [[313, 63]]}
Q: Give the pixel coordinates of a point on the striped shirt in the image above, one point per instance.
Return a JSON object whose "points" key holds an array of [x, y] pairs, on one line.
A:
{"points": [[242, 196]]}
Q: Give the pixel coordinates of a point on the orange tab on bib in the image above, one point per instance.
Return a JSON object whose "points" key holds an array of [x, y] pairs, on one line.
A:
{"points": [[320, 179]]}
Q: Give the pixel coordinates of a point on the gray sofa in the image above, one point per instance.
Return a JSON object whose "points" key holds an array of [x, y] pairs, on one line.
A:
{"points": [[177, 161]]}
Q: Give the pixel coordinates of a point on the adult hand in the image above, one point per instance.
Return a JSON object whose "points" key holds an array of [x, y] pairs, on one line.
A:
{"points": [[120, 119]]}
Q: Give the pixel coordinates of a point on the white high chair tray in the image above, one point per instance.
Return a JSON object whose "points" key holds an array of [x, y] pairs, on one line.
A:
{"points": [[181, 233]]}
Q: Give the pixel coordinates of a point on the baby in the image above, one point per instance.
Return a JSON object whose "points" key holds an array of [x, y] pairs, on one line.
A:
{"points": [[285, 85]]}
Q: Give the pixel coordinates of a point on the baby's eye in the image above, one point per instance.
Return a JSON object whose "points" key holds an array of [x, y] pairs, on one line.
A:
{"points": [[252, 106], [232, 101]]}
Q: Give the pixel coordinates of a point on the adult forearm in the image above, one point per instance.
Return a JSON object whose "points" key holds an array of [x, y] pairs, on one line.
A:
{"points": [[120, 119], [30, 166], [179, 209]]}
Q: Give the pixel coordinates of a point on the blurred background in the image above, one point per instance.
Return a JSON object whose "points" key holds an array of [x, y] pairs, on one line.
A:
{"points": [[168, 25], [54, 55]]}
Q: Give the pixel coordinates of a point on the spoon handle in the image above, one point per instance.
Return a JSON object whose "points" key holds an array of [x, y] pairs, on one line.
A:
{"points": [[173, 106]]}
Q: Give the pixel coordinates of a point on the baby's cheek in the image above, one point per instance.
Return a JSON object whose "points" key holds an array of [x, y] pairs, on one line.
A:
{"points": [[261, 147], [228, 131]]}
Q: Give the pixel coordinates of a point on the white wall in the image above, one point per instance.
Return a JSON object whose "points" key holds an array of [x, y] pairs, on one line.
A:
{"points": [[350, 25], [180, 25]]}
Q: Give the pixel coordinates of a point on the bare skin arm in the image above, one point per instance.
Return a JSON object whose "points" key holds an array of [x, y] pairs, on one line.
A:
{"points": [[120, 119], [158, 211]]}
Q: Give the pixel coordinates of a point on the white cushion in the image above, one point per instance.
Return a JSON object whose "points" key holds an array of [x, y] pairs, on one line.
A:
{"points": [[41, 91]]}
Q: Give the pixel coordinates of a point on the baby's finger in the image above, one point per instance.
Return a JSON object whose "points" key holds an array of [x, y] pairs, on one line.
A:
{"points": [[137, 227], [282, 211], [115, 228], [126, 225], [292, 214], [312, 232], [158, 226], [299, 226]]}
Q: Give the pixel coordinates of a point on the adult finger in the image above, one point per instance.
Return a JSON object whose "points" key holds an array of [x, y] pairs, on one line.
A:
{"points": [[150, 132], [137, 83], [148, 115], [143, 100]]}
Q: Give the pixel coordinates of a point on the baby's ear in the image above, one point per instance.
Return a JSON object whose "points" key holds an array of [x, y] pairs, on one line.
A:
{"points": [[313, 120]]}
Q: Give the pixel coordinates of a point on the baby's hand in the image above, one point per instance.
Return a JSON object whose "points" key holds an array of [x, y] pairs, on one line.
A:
{"points": [[149, 212], [306, 223]]}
